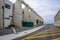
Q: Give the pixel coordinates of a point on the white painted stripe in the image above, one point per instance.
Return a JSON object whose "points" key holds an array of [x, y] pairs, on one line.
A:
{"points": [[20, 34], [13, 30]]}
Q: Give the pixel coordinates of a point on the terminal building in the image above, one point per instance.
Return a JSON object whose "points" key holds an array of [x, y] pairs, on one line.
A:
{"points": [[57, 19], [30, 16], [14, 14]]}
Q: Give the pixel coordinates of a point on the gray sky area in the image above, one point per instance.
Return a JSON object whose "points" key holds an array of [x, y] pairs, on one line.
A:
{"points": [[47, 9]]}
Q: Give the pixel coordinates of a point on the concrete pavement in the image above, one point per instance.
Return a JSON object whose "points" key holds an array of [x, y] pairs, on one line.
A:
{"points": [[46, 33], [20, 34], [10, 31]]}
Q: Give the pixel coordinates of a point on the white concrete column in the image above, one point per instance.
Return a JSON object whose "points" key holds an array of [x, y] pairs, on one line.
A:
{"points": [[1, 14], [17, 16], [26, 14]]}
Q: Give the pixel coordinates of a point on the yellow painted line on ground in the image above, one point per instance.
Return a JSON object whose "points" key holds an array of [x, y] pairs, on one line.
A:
{"points": [[45, 33], [50, 30], [56, 39], [35, 36]]}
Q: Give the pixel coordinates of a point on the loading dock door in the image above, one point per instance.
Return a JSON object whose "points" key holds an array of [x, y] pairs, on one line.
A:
{"points": [[8, 6]]}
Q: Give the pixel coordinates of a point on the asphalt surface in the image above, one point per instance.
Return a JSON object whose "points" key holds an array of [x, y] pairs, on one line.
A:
{"points": [[10, 31], [46, 33]]}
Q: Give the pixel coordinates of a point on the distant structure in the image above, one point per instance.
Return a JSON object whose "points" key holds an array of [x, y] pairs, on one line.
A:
{"points": [[13, 14], [57, 19]]}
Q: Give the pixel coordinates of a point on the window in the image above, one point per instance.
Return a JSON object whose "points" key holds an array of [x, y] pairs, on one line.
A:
{"points": [[22, 11], [37, 21], [7, 6]]}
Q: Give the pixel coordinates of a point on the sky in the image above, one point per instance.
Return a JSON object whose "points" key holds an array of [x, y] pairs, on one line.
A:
{"points": [[13, 1], [47, 9]]}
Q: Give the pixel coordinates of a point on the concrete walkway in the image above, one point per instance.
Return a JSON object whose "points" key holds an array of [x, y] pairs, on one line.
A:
{"points": [[10, 31], [20, 34]]}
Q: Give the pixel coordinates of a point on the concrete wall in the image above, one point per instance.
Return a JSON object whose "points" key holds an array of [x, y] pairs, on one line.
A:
{"points": [[31, 16], [57, 23], [37, 17], [34, 17], [57, 19], [8, 13], [17, 16], [1, 14], [26, 15]]}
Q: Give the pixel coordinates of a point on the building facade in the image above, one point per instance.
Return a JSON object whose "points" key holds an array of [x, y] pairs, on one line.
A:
{"points": [[17, 14], [29, 15], [12, 14], [57, 19]]}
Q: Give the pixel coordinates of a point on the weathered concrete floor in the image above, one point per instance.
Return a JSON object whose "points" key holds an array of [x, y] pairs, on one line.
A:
{"points": [[10, 31], [46, 33], [20, 34]]}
